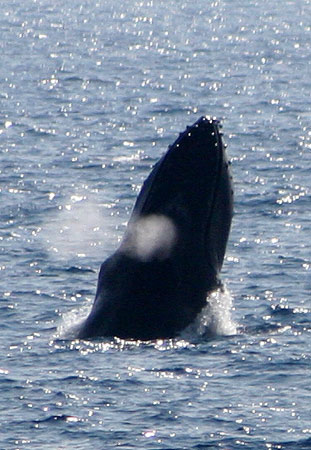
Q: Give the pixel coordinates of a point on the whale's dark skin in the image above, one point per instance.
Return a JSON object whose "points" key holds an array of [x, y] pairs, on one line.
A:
{"points": [[158, 294]]}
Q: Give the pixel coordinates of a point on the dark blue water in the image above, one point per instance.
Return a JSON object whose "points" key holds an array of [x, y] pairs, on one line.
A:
{"points": [[91, 93]]}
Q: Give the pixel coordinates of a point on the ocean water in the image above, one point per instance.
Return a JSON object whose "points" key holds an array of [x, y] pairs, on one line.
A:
{"points": [[92, 92]]}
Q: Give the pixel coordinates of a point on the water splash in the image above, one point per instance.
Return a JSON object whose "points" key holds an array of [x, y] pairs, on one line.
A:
{"points": [[71, 322], [216, 318]]}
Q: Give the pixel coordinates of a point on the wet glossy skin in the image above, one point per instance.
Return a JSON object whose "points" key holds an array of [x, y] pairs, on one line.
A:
{"points": [[157, 282]]}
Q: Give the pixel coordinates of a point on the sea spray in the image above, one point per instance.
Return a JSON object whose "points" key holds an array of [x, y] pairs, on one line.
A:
{"points": [[214, 320], [81, 228], [216, 317], [71, 321]]}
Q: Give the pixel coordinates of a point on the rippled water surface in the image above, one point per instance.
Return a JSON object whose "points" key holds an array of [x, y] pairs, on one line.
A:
{"points": [[92, 92]]}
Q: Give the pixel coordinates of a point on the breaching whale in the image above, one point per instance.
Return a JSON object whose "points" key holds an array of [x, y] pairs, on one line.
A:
{"points": [[169, 260]]}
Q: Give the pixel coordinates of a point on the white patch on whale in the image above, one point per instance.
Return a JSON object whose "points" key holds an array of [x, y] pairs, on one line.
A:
{"points": [[150, 237]]}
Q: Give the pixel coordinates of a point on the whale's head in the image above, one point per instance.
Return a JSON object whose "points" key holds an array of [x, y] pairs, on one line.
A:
{"points": [[156, 283], [184, 209]]}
